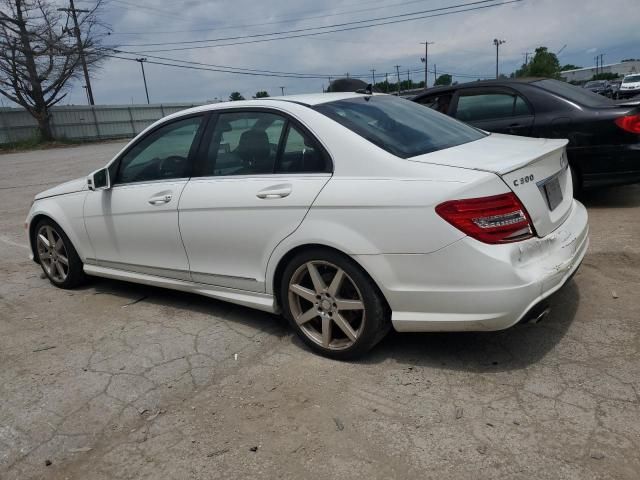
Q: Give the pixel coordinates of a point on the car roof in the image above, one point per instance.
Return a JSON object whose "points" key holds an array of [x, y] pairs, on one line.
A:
{"points": [[502, 82], [306, 99]]}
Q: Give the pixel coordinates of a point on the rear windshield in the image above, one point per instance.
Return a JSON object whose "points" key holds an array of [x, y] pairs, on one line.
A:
{"points": [[575, 94], [631, 79], [399, 126]]}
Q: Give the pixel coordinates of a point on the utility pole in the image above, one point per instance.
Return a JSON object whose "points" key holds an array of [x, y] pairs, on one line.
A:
{"points": [[497, 43], [386, 81], [425, 60], [435, 74], [601, 63], [595, 59], [72, 10], [144, 78], [398, 72], [526, 57], [373, 73], [409, 80], [282, 90]]}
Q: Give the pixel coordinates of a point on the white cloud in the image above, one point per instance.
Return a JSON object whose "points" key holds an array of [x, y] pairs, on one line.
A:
{"points": [[463, 42]]}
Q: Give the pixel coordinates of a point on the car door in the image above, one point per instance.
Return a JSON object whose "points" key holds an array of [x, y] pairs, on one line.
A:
{"points": [[134, 225], [258, 174], [497, 110]]}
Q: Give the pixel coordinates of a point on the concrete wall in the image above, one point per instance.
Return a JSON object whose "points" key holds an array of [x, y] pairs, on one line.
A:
{"points": [[85, 122]]}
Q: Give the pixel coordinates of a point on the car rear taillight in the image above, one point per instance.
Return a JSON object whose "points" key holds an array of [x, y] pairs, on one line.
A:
{"points": [[629, 123], [495, 219]]}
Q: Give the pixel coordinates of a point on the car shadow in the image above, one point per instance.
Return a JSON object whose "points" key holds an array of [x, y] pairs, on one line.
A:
{"points": [[132, 294], [513, 349], [627, 196]]}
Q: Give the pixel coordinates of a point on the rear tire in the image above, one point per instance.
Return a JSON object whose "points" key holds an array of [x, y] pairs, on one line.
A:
{"points": [[58, 258], [332, 304]]}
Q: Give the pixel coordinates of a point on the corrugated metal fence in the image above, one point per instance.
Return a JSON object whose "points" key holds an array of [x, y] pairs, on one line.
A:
{"points": [[86, 122]]}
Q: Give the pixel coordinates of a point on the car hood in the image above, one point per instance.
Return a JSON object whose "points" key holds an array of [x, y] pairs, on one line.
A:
{"points": [[630, 86], [77, 185], [496, 153]]}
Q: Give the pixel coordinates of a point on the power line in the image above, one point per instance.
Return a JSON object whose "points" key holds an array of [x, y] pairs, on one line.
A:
{"points": [[242, 70], [286, 20], [356, 27]]}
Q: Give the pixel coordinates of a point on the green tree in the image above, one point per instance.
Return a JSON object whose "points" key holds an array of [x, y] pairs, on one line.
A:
{"points": [[444, 79], [261, 94], [543, 64], [235, 96], [569, 66]]}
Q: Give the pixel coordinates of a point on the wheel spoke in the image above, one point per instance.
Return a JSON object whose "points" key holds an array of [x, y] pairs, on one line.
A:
{"points": [[60, 270], [303, 292], [326, 331], [336, 283], [345, 327], [64, 260], [306, 316], [59, 245], [318, 282], [49, 231], [349, 304], [43, 240]]}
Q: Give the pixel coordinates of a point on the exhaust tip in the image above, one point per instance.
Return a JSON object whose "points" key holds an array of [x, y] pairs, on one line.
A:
{"points": [[540, 316]]}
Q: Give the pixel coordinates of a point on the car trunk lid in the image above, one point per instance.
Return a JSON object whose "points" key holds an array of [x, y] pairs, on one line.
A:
{"points": [[536, 170]]}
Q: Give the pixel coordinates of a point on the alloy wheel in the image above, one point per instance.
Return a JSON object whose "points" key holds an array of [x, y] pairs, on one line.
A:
{"points": [[327, 305], [52, 253]]}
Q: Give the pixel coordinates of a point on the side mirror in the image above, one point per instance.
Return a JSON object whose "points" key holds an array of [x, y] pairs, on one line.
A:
{"points": [[99, 180]]}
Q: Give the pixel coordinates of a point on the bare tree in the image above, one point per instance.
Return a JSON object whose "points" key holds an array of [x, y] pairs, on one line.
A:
{"points": [[39, 54]]}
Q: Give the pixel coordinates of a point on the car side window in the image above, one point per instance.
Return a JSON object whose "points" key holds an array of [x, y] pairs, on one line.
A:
{"points": [[161, 155], [300, 154], [243, 143], [521, 107], [484, 106], [439, 103]]}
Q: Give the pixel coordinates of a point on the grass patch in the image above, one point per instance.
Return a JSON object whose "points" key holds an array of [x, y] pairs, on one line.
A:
{"points": [[37, 144]]}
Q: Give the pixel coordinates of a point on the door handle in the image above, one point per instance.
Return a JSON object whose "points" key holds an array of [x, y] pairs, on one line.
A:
{"points": [[278, 191], [160, 199]]}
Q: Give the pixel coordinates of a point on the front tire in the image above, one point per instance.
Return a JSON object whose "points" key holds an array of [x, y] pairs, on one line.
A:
{"points": [[332, 304], [57, 256]]}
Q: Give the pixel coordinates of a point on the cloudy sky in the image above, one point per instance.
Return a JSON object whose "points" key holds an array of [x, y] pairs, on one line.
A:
{"points": [[463, 42]]}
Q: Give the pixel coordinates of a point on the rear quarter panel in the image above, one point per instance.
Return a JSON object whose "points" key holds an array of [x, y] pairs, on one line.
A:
{"points": [[376, 215]]}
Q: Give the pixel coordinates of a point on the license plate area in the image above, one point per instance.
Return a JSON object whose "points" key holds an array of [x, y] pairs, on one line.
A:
{"points": [[552, 192]]}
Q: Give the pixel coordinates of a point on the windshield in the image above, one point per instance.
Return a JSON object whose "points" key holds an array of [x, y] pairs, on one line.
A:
{"points": [[575, 94], [399, 126], [631, 79]]}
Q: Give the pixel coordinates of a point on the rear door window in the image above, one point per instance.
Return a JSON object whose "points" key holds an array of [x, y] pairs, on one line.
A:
{"points": [[243, 143], [485, 106], [301, 154]]}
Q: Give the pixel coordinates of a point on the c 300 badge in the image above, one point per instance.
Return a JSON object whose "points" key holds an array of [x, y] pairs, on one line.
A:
{"points": [[522, 180]]}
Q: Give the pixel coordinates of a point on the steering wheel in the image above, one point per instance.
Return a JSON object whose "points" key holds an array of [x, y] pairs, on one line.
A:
{"points": [[172, 166]]}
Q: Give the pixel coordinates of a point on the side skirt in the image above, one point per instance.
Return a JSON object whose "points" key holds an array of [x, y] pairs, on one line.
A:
{"points": [[259, 301]]}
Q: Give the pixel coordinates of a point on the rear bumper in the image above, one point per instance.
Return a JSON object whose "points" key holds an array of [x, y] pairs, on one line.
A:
{"points": [[607, 165], [472, 286], [628, 93]]}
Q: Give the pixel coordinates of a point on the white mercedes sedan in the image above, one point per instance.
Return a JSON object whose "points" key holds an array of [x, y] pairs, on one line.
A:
{"points": [[348, 213]]}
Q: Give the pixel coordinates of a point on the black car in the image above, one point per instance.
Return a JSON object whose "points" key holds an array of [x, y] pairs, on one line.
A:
{"points": [[604, 136], [601, 87]]}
